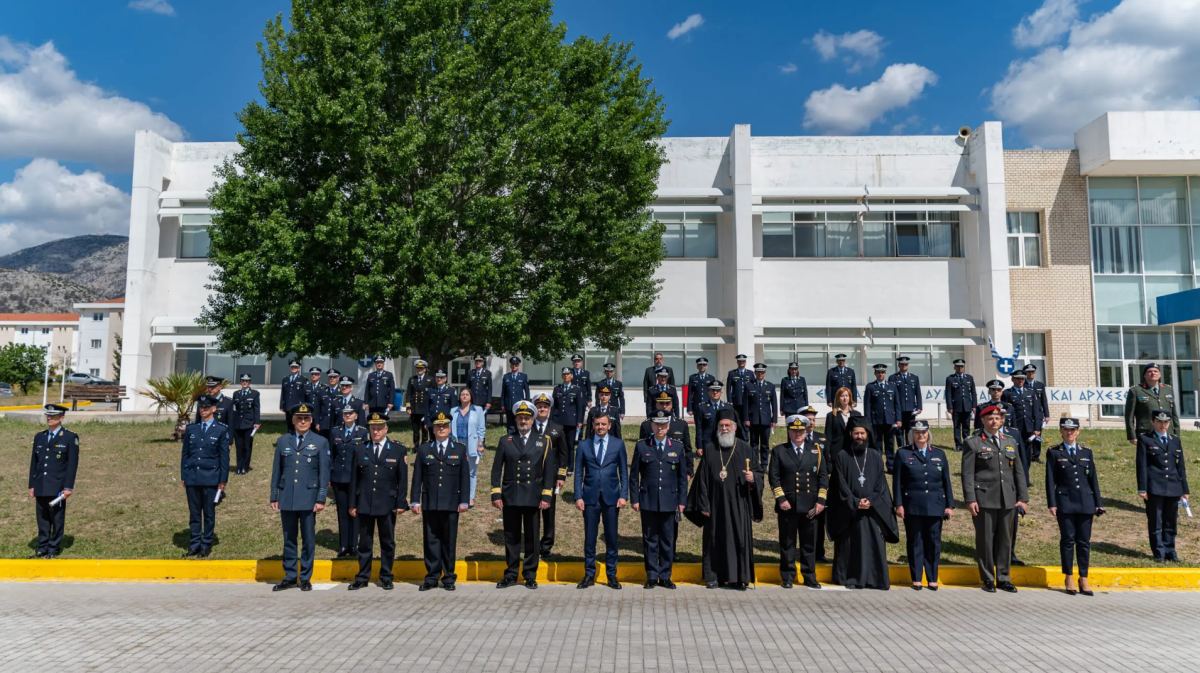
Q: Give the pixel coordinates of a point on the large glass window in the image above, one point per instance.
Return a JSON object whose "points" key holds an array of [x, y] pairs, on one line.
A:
{"points": [[1163, 200], [1033, 350], [1113, 200], [1167, 250], [255, 366], [878, 240], [689, 234], [881, 234], [1024, 239], [841, 235], [1157, 286], [193, 241], [1115, 250], [1148, 344], [1119, 300]]}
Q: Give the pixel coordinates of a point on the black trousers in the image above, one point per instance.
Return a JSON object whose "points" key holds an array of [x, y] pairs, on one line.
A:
{"points": [[440, 533], [923, 544], [962, 427], [795, 526], [820, 543], [302, 522], [243, 442], [521, 536], [49, 523], [347, 525], [569, 437], [658, 543], [202, 515], [1162, 517], [547, 541], [760, 441], [419, 430], [366, 542], [906, 421], [885, 436], [1075, 541], [378, 410], [510, 422]]}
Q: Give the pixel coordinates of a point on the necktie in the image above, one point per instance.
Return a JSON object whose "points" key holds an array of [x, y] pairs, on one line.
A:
{"points": [[1071, 452], [1155, 390], [205, 426], [378, 450], [660, 447], [600, 454], [300, 439], [1163, 439], [442, 450], [922, 452], [348, 429], [541, 428]]}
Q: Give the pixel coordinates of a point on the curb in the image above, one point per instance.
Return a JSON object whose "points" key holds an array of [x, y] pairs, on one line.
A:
{"points": [[31, 407], [120, 570]]}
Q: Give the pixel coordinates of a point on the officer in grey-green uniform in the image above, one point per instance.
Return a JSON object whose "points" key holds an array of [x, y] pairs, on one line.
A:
{"points": [[994, 487], [299, 483], [1144, 399]]}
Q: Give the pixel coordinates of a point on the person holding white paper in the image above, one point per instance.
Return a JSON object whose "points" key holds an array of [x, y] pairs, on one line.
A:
{"points": [[52, 470], [204, 471]]}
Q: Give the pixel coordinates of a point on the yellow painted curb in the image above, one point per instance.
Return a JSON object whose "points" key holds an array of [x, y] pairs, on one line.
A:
{"points": [[30, 407], [125, 570]]}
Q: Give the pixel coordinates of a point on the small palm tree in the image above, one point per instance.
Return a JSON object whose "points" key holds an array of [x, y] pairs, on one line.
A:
{"points": [[176, 393]]}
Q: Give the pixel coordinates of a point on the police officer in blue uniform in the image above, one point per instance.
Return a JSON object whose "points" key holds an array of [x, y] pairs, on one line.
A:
{"points": [[345, 441], [52, 468], [247, 416], [923, 497], [1038, 387], [1027, 417], [908, 390], [441, 490], [582, 378], [204, 471], [658, 491], [379, 491], [293, 390], [677, 429], [381, 388], [513, 388], [838, 377], [799, 479], [603, 407], [416, 402], [299, 485], [655, 391], [346, 398], [523, 476], [614, 385], [760, 412], [314, 394], [706, 416], [697, 385], [1161, 483], [479, 382], [881, 406], [569, 410], [960, 398], [1073, 496], [223, 411], [736, 382], [995, 389], [330, 412], [442, 398], [793, 391]]}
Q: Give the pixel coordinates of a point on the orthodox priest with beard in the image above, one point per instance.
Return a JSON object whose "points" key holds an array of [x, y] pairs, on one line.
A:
{"points": [[726, 500], [861, 517]]}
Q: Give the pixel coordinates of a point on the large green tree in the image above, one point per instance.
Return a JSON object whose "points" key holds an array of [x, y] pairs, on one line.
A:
{"points": [[448, 176]]}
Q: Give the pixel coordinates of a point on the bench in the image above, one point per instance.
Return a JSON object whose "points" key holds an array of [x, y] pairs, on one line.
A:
{"points": [[77, 392]]}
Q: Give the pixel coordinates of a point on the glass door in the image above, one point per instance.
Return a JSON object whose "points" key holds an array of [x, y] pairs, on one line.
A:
{"points": [[1187, 389]]}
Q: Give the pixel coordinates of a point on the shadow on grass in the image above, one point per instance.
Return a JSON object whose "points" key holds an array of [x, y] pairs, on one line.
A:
{"points": [[1117, 550], [183, 539], [67, 541], [1124, 506]]}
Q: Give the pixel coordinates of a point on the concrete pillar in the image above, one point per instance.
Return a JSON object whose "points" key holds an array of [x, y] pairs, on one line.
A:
{"points": [[743, 240], [989, 261]]}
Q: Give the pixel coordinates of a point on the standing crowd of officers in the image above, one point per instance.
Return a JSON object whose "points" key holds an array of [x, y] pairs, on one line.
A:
{"points": [[338, 446]]}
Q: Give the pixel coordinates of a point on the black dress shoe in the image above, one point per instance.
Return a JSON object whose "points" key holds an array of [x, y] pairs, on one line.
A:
{"points": [[506, 582], [204, 552], [449, 587], [40, 554], [1069, 592], [989, 587], [1016, 562], [650, 584], [545, 554], [530, 584], [812, 584], [52, 555], [585, 583], [710, 585], [740, 586], [917, 587], [285, 584], [614, 584], [666, 584], [1085, 593], [932, 587], [1173, 557], [1007, 586], [387, 586], [785, 584], [187, 554], [305, 585], [357, 585], [426, 587]]}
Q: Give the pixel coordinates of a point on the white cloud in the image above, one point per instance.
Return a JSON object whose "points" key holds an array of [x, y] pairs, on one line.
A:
{"points": [[1046, 24], [1141, 55], [841, 110], [154, 6], [45, 201], [46, 111], [857, 49], [689, 24], [788, 69]]}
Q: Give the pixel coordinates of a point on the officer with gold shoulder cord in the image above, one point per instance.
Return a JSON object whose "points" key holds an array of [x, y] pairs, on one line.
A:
{"points": [[441, 490], [379, 491], [523, 475], [799, 479]]}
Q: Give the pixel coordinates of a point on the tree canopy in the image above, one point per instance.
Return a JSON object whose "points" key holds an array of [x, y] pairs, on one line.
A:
{"points": [[447, 176]]}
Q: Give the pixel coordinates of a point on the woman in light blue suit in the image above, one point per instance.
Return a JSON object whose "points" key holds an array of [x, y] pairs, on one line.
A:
{"points": [[468, 425]]}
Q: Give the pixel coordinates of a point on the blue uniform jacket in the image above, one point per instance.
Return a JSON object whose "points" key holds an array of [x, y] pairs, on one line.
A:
{"points": [[960, 393], [569, 407], [1027, 409], [300, 472], [793, 395], [204, 460], [922, 484], [1072, 484], [479, 382], [618, 393], [597, 483], [697, 389], [908, 390], [381, 389], [379, 486], [247, 409], [658, 481], [292, 391], [441, 483], [513, 389], [761, 406], [881, 403], [440, 401], [735, 386], [341, 453], [1161, 469], [843, 378], [583, 379], [53, 463]]}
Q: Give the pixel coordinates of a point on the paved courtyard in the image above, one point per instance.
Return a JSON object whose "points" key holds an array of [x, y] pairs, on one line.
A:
{"points": [[223, 627]]}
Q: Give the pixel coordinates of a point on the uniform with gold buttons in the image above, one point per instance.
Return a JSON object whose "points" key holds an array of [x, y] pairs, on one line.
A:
{"points": [[523, 476], [658, 480], [799, 477], [1073, 496], [441, 489], [378, 488], [52, 468], [299, 481]]}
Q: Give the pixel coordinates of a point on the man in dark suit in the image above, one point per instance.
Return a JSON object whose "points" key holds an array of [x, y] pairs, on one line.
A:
{"points": [[658, 490], [582, 378], [560, 453], [523, 474], [379, 491], [649, 378], [601, 489], [994, 487], [840, 376], [204, 471], [293, 390], [479, 382], [654, 392], [513, 388], [345, 441], [441, 490], [299, 485], [52, 468], [799, 479], [614, 385], [381, 388], [246, 418], [793, 391], [760, 413], [223, 411], [1161, 483], [960, 398], [697, 386], [416, 402]]}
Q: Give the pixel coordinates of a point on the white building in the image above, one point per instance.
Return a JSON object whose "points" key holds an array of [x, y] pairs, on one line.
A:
{"points": [[101, 326]]}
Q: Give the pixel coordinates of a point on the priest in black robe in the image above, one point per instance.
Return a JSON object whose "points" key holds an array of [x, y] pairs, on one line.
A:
{"points": [[861, 518], [726, 501]]}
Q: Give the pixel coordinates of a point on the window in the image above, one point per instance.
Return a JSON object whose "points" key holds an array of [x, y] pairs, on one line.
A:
{"points": [[1113, 200], [193, 241], [1116, 250], [45, 330], [97, 317], [838, 234], [1119, 300], [689, 234], [1163, 200], [1033, 351], [94, 372], [24, 330], [1124, 350], [1024, 239], [96, 343], [1167, 250]]}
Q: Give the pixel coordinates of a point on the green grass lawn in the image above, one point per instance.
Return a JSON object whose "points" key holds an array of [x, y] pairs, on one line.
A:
{"points": [[129, 503]]}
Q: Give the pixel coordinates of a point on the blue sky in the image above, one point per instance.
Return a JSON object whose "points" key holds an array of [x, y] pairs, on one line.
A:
{"points": [[78, 76]]}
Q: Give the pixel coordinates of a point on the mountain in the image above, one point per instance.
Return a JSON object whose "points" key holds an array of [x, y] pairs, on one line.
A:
{"points": [[92, 265]]}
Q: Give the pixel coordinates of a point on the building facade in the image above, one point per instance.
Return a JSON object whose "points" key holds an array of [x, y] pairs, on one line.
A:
{"points": [[56, 332], [101, 328]]}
